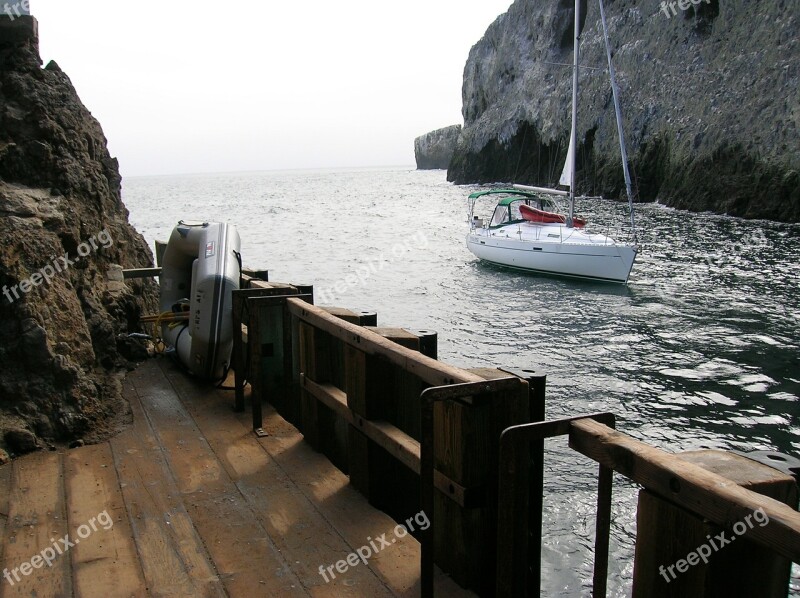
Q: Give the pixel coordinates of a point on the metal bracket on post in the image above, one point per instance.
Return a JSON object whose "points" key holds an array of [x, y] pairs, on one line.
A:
{"points": [[257, 303], [452, 392], [241, 313], [514, 447]]}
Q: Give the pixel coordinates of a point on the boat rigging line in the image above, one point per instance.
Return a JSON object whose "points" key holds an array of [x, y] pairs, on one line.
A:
{"points": [[618, 112]]}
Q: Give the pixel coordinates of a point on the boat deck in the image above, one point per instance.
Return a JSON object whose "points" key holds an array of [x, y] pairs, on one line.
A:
{"points": [[200, 507]]}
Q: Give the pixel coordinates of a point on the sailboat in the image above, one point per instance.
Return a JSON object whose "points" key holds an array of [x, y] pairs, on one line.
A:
{"points": [[527, 230]]}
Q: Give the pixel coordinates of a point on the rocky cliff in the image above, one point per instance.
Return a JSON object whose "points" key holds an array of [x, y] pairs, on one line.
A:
{"points": [[63, 324], [435, 149], [709, 96]]}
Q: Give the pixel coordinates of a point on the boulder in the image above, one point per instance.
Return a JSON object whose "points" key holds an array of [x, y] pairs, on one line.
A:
{"points": [[20, 440]]}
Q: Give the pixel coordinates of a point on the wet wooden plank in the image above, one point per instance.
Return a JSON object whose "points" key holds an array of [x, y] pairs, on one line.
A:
{"points": [[105, 563], [304, 537], [37, 523], [174, 560], [245, 557]]}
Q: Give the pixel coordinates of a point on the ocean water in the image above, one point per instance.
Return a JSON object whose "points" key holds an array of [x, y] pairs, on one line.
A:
{"points": [[700, 350]]}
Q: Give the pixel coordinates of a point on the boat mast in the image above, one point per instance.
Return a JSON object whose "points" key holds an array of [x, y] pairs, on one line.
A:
{"points": [[615, 93], [574, 132]]}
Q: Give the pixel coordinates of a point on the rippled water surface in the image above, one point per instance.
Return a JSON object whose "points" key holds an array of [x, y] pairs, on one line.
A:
{"points": [[700, 350]]}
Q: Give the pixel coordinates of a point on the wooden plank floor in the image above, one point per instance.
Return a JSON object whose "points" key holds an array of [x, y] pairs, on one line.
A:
{"points": [[189, 502]]}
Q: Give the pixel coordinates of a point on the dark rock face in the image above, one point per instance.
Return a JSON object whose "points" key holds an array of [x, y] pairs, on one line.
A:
{"points": [[62, 224], [709, 100], [434, 150]]}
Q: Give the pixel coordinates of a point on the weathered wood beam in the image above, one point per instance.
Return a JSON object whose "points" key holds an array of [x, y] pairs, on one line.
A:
{"points": [[705, 493], [431, 371]]}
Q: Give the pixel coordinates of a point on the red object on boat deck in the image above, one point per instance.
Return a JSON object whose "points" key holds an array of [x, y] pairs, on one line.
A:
{"points": [[541, 217]]}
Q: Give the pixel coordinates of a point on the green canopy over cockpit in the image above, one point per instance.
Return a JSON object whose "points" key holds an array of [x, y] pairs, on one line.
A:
{"points": [[505, 211]]}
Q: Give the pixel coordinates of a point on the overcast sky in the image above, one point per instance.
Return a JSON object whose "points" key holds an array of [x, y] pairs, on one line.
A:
{"points": [[186, 87]]}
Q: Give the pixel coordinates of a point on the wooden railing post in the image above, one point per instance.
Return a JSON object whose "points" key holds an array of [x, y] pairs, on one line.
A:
{"points": [[379, 390], [428, 342], [323, 359], [358, 445], [537, 383], [460, 439], [314, 366], [339, 445], [667, 534]]}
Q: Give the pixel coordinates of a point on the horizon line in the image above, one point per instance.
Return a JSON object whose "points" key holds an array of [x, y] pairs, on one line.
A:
{"points": [[260, 170]]}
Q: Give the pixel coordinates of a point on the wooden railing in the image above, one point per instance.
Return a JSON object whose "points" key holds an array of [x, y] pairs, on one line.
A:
{"points": [[467, 446], [354, 393], [685, 497]]}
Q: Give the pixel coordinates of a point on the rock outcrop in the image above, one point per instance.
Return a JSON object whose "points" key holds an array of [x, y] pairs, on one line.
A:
{"points": [[63, 323], [434, 150], [709, 97]]}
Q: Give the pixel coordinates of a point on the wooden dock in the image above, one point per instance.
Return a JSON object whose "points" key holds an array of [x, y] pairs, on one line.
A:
{"points": [[200, 507], [353, 430]]}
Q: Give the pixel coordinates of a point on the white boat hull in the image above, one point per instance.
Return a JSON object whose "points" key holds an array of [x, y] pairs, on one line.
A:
{"points": [[535, 248]]}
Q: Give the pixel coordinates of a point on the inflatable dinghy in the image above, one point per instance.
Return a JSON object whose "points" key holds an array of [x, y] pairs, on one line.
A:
{"points": [[200, 268]]}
